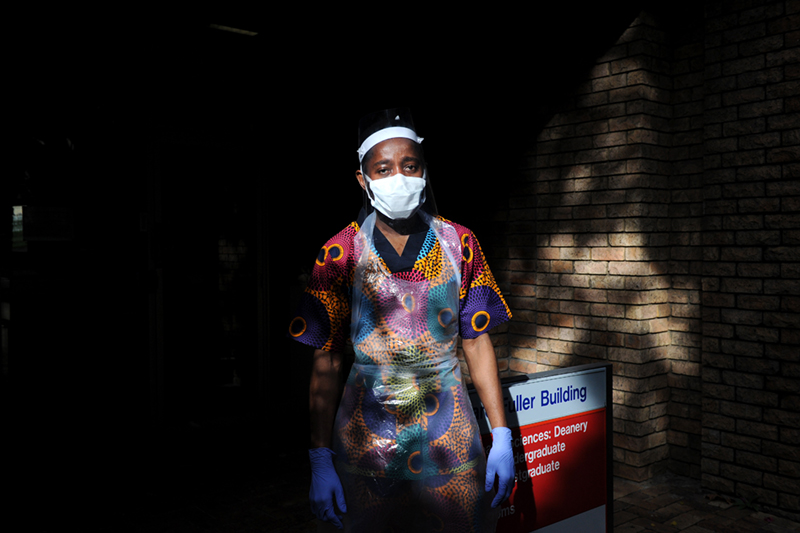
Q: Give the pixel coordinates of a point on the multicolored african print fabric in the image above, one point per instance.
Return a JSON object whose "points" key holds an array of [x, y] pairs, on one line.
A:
{"points": [[405, 430], [323, 318]]}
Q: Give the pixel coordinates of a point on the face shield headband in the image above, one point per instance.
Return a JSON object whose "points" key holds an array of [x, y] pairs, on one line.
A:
{"points": [[384, 134]]}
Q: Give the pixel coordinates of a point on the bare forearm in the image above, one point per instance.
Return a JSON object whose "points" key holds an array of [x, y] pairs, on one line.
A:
{"points": [[482, 363], [324, 394]]}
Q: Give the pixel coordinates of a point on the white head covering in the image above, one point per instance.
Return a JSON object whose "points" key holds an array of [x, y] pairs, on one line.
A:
{"points": [[383, 125]]}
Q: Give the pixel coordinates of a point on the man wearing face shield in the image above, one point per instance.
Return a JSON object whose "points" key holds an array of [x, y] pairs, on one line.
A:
{"points": [[402, 284]]}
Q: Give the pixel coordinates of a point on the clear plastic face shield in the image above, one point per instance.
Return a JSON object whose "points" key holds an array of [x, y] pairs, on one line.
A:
{"points": [[393, 189]]}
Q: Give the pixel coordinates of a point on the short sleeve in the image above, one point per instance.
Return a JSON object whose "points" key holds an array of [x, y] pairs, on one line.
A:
{"points": [[482, 304], [322, 319]]}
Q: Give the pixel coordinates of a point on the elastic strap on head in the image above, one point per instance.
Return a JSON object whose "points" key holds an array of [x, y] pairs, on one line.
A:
{"points": [[385, 134]]}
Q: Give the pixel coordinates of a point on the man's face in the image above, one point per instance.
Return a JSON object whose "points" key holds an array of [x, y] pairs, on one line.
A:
{"points": [[393, 156]]}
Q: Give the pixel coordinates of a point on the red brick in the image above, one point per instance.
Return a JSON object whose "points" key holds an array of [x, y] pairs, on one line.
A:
{"points": [[518, 366], [590, 295]]}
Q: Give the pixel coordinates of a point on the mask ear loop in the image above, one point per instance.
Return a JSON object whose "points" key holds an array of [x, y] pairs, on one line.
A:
{"points": [[368, 199]]}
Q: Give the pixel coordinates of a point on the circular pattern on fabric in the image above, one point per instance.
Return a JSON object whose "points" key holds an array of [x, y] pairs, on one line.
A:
{"points": [[335, 251], [480, 320], [415, 462], [402, 306], [445, 317], [431, 404], [466, 249], [313, 326], [442, 420], [485, 302], [411, 440], [441, 318], [407, 301], [297, 327]]}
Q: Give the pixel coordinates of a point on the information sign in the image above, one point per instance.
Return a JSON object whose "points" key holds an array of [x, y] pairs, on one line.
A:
{"points": [[560, 423]]}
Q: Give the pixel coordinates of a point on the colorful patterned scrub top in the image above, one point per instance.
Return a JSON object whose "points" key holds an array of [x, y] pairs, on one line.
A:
{"points": [[323, 318], [404, 417]]}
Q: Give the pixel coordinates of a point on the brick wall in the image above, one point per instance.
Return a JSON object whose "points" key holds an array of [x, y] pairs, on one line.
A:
{"points": [[751, 280], [655, 226]]}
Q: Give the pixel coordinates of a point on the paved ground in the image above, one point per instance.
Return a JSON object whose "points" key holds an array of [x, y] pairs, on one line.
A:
{"points": [[257, 504], [670, 503], [226, 486]]}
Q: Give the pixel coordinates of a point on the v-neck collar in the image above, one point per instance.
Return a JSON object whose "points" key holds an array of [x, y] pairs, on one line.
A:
{"points": [[395, 262], [399, 262]]}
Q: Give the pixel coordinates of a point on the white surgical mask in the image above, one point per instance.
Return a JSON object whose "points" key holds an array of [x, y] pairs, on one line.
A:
{"points": [[397, 196]]}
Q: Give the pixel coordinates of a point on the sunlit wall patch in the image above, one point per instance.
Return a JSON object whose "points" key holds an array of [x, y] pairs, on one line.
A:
{"points": [[297, 327], [480, 320]]}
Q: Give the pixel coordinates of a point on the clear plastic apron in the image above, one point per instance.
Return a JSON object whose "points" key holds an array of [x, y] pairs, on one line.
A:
{"points": [[405, 434]]}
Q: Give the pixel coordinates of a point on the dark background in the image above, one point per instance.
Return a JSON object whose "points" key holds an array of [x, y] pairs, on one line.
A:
{"points": [[161, 134]]}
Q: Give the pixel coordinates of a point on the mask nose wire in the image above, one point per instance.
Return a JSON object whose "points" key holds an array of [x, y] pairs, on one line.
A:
{"points": [[367, 180]]}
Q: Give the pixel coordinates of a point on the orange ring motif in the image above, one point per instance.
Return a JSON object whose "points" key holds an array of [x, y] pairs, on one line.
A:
{"points": [[435, 408], [439, 317], [388, 404], [480, 314], [338, 247], [467, 257], [324, 252], [291, 326], [408, 308], [411, 458]]}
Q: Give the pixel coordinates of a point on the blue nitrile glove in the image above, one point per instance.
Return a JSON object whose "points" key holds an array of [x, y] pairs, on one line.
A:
{"points": [[325, 486], [500, 462]]}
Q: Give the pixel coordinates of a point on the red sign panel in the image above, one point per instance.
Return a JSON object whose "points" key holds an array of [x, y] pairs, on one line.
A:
{"points": [[561, 471]]}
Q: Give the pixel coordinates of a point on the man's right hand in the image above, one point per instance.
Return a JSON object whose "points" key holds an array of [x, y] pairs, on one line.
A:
{"points": [[325, 487]]}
